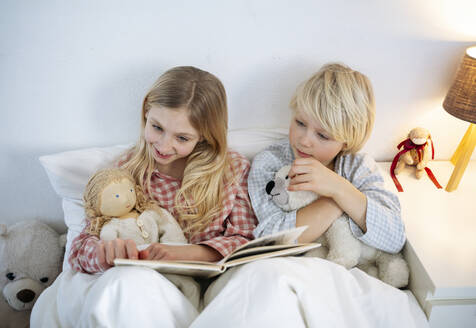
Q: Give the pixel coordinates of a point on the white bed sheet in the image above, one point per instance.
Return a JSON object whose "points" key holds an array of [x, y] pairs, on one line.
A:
{"points": [[305, 292], [303, 301]]}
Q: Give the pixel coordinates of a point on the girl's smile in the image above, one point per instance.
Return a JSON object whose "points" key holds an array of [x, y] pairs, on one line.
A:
{"points": [[163, 156]]}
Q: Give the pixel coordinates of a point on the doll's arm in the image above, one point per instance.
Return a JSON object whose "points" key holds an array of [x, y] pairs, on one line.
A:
{"points": [[425, 158], [109, 232], [169, 229]]}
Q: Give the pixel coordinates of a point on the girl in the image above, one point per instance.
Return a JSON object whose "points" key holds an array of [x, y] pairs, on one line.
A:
{"points": [[182, 162], [333, 113]]}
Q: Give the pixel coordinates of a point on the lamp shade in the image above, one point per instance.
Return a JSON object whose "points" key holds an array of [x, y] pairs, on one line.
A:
{"points": [[460, 101]]}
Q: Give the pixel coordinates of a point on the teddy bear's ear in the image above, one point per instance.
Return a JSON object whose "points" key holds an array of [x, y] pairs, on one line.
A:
{"points": [[3, 230], [62, 240]]}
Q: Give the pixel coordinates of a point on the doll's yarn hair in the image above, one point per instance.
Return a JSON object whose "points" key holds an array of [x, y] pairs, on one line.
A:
{"points": [[342, 101], [92, 197]]}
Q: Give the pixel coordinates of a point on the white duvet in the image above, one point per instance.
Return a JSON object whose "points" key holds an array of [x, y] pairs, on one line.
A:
{"points": [[280, 292]]}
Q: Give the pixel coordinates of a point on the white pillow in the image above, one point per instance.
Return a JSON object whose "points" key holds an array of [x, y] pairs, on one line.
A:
{"points": [[70, 171], [249, 142]]}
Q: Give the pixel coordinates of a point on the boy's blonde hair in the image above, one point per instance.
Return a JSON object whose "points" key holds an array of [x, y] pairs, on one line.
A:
{"points": [[208, 167], [92, 197], [342, 101]]}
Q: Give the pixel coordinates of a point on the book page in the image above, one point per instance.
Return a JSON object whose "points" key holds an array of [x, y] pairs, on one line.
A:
{"points": [[287, 237], [280, 238], [265, 249], [188, 268], [298, 249]]}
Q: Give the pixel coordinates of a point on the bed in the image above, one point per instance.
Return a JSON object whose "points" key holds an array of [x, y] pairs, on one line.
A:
{"points": [[68, 173]]}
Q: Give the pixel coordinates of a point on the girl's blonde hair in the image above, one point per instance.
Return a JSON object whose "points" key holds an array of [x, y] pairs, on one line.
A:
{"points": [[342, 101], [208, 167], [92, 197]]}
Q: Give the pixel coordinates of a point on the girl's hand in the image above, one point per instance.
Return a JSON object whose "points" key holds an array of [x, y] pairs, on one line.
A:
{"points": [[157, 251], [108, 250], [311, 175]]}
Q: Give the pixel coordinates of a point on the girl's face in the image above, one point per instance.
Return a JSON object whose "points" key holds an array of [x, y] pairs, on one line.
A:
{"points": [[118, 198], [170, 136], [309, 139]]}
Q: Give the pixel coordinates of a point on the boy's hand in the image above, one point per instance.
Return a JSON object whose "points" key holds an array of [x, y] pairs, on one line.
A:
{"points": [[311, 175], [108, 250]]}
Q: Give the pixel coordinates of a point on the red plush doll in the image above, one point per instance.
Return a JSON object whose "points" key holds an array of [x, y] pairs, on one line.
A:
{"points": [[415, 152]]}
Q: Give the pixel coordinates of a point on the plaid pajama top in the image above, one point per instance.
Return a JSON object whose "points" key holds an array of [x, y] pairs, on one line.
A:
{"points": [[385, 229], [230, 229]]}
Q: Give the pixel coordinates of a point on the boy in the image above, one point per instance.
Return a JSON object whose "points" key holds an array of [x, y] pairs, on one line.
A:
{"points": [[333, 114]]}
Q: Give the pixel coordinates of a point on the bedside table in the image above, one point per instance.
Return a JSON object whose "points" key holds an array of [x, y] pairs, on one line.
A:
{"points": [[441, 242]]}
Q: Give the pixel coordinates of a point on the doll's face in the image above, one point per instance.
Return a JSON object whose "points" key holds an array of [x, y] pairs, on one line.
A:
{"points": [[118, 198], [419, 135]]}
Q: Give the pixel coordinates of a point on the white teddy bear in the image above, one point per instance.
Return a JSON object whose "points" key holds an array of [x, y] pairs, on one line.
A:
{"points": [[343, 247], [31, 253]]}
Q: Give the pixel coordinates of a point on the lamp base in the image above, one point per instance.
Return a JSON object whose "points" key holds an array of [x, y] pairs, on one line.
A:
{"points": [[462, 156]]}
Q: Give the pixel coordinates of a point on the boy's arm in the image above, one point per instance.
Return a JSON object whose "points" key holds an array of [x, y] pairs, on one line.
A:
{"points": [[384, 226], [352, 201], [358, 189], [318, 216], [308, 174]]}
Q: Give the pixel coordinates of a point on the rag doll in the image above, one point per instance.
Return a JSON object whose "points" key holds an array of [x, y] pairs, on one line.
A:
{"points": [[117, 208], [343, 247]]}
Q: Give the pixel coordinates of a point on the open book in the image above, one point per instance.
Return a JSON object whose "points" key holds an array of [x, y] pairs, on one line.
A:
{"points": [[280, 244]]}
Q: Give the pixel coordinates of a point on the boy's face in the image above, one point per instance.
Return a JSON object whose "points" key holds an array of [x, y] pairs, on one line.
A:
{"points": [[309, 139]]}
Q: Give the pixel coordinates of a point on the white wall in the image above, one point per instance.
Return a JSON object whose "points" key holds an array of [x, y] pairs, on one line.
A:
{"points": [[73, 73]]}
